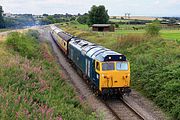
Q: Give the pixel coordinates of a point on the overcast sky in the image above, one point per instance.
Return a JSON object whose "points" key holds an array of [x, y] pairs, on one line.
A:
{"points": [[115, 7]]}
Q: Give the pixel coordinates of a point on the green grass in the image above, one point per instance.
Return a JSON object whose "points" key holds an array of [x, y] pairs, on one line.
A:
{"points": [[171, 34], [32, 85], [24, 44], [155, 62]]}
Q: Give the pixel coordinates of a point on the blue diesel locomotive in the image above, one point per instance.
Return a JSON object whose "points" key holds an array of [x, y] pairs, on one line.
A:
{"points": [[107, 71]]}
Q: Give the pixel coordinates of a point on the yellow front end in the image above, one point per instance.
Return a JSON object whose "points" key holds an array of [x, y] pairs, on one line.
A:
{"points": [[113, 75]]}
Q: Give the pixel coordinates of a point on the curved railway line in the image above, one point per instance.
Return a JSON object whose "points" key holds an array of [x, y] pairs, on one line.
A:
{"points": [[116, 109]]}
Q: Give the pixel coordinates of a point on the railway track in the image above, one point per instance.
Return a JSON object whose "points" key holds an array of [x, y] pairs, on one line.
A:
{"points": [[133, 110], [122, 110]]}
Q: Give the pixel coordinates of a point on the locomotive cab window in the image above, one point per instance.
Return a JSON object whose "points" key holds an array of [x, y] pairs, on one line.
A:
{"points": [[121, 66], [97, 66], [107, 66]]}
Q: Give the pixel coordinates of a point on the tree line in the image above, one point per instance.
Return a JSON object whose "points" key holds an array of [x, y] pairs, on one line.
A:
{"points": [[56, 18], [22, 20]]}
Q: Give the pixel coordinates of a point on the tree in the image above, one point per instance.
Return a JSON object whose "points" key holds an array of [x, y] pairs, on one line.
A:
{"points": [[98, 15], [83, 19], [153, 28], [2, 23], [45, 15], [72, 18]]}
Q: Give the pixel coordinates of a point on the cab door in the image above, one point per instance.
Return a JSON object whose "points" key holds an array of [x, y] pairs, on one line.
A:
{"points": [[98, 74]]}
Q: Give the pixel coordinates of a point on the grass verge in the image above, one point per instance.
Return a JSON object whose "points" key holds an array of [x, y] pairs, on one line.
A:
{"points": [[31, 85]]}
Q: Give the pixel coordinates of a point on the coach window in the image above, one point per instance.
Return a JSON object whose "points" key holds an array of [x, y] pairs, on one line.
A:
{"points": [[97, 66]]}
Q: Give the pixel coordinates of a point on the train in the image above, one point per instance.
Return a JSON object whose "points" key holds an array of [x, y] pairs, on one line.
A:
{"points": [[107, 71]]}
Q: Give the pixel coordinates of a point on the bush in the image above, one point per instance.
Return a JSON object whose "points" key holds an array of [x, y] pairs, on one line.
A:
{"points": [[116, 25], [153, 29], [83, 19], [24, 44], [33, 33]]}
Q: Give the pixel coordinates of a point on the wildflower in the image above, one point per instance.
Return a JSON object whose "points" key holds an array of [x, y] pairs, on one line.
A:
{"points": [[17, 115], [18, 100], [59, 118], [49, 113]]}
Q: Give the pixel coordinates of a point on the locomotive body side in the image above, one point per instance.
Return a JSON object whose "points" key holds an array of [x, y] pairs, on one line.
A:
{"points": [[81, 60]]}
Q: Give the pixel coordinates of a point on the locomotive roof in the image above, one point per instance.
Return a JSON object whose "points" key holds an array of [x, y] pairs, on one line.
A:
{"points": [[61, 33], [89, 49], [57, 30], [96, 52], [53, 27]]}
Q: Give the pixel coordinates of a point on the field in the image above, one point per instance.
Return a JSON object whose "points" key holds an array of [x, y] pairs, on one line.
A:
{"points": [[32, 85], [166, 34], [134, 18], [155, 62], [127, 29], [171, 34]]}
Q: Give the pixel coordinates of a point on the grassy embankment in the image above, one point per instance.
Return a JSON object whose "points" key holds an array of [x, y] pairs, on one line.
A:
{"points": [[155, 63], [32, 85]]}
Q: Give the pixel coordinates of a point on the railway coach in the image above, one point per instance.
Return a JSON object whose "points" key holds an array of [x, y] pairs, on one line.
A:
{"points": [[61, 38], [107, 71]]}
